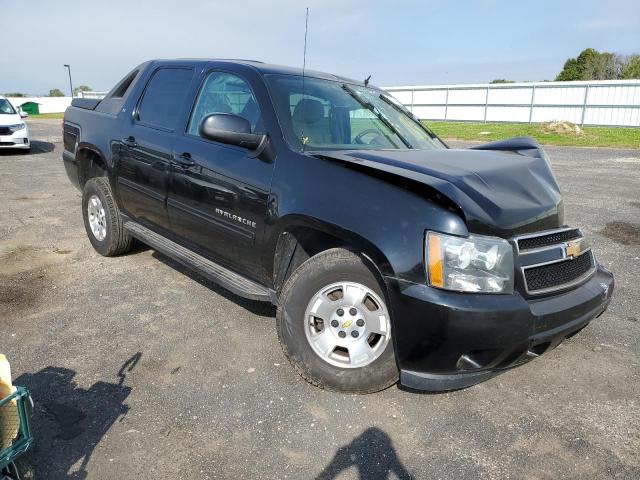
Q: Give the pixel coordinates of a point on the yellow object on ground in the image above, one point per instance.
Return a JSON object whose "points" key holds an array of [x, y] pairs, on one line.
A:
{"points": [[9, 418]]}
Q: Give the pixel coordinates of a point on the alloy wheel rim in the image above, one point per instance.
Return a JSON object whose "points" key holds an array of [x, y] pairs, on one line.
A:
{"points": [[347, 325], [96, 216]]}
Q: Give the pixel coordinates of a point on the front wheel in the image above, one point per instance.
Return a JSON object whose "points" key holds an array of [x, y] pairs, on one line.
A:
{"points": [[334, 325]]}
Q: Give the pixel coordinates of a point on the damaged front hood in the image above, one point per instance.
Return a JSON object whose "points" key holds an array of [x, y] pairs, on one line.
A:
{"points": [[503, 188]]}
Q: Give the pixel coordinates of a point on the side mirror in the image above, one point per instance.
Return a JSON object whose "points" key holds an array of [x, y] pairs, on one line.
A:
{"points": [[232, 130], [23, 114]]}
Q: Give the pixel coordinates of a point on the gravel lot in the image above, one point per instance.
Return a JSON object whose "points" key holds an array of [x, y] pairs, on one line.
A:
{"points": [[140, 369]]}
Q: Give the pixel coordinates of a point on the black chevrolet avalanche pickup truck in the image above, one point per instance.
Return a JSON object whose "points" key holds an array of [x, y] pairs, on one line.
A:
{"points": [[389, 255]]}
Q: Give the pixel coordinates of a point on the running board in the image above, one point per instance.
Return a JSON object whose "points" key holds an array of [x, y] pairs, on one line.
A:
{"points": [[227, 279]]}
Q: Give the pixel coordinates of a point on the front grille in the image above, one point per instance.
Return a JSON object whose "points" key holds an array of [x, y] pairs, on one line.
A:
{"points": [[549, 239], [556, 275], [6, 131]]}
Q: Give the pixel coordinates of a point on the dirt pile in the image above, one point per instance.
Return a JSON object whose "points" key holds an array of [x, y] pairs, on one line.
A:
{"points": [[562, 128]]}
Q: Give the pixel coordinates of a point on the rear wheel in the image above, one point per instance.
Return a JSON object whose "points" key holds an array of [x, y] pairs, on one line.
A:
{"points": [[102, 219], [334, 325]]}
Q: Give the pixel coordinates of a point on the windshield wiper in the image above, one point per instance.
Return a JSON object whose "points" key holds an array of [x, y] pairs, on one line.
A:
{"points": [[388, 101], [372, 108]]}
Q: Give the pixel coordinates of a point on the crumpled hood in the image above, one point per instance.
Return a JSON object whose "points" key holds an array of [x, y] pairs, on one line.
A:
{"points": [[500, 192], [9, 119]]}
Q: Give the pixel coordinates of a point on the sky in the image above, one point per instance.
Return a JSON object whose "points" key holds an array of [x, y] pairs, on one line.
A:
{"points": [[397, 42]]}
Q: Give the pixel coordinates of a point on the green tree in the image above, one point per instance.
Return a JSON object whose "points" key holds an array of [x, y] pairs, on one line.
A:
{"points": [[600, 66], [571, 71], [14, 94], [81, 88], [591, 65], [631, 68], [501, 80], [56, 92]]}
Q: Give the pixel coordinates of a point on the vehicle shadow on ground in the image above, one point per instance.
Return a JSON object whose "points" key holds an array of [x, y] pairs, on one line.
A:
{"points": [[38, 146], [68, 422], [263, 309], [372, 453]]}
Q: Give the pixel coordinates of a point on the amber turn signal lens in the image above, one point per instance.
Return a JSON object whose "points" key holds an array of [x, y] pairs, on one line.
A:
{"points": [[435, 261]]}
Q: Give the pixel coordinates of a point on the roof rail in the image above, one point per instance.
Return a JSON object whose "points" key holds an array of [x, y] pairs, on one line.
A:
{"points": [[239, 60]]}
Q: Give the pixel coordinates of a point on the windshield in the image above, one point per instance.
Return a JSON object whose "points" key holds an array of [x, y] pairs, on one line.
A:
{"points": [[6, 108], [336, 115]]}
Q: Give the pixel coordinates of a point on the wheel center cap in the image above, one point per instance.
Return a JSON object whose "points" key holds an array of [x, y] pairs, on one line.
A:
{"points": [[347, 323]]}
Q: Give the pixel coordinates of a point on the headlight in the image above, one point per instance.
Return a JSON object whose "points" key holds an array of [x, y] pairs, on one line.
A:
{"points": [[18, 126], [472, 264]]}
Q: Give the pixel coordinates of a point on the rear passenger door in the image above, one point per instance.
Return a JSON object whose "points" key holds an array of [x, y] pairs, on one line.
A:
{"points": [[218, 193], [147, 146]]}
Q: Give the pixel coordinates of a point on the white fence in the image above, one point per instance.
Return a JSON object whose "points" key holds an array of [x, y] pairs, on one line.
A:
{"points": [[607, 102], [52, 104], [45, 104]]}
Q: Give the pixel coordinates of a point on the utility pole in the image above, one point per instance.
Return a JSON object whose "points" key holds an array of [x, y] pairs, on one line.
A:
{"points": [[70, 84]]}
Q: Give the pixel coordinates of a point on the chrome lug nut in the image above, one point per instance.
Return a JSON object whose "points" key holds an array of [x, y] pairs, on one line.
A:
{"points": [[342, 334], [353, 311], [334, 323], [355, 334], [360, 322], [340, 312]]}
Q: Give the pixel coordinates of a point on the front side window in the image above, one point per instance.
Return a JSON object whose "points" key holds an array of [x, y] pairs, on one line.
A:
{"points": [[164, 97], [327, 114], [225, 93], [6, 108]]}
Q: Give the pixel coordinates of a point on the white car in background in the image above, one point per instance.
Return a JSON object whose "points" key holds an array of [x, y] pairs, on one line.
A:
{"points": [[14, 133]]}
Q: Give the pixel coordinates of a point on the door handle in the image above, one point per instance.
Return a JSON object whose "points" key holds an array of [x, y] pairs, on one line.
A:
{"points": [[130, 142], [184, 160]]}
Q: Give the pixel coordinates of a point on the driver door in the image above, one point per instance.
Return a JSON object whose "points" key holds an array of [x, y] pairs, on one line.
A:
{"points": [[217, 197]]}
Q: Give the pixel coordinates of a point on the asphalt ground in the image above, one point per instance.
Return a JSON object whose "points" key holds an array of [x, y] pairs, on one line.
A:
{"points": [[141, 369]]}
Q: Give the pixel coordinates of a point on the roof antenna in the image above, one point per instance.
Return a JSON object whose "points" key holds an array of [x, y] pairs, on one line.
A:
{"points": [[366, 80], [304, 66]]}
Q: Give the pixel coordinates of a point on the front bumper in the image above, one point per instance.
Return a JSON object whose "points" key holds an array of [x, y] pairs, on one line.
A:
{"points": [[19, 139], [448, 340]]}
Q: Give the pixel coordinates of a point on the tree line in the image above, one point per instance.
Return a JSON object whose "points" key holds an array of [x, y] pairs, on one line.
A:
{"points": [[594, 65], [591, 64], [54, 92]]}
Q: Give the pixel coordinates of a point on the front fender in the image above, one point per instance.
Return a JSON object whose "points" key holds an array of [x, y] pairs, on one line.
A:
{"points": [[382, 219]]}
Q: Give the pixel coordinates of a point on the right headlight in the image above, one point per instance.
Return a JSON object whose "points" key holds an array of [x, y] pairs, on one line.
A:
{"points": [[469, 264], [17, 127]]}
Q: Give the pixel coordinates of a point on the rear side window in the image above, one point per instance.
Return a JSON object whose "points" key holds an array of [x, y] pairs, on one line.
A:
{"points": [[164, 97]]}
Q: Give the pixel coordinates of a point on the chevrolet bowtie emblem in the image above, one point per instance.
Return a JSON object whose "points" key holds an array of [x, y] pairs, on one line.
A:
{"points": [[573, 249], [347, 324]]}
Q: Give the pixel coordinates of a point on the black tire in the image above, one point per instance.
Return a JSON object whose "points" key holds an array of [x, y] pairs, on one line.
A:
{"points": [[328, 267], [116, 240]]}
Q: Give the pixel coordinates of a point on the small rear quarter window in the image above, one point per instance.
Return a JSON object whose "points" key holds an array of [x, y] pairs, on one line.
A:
{"points": [[121, 89]]}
